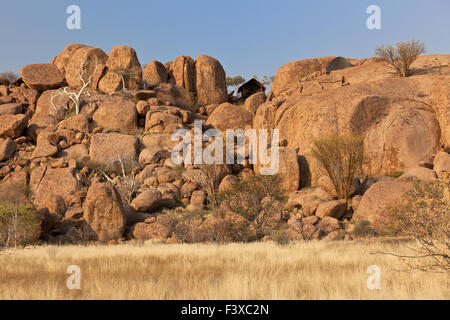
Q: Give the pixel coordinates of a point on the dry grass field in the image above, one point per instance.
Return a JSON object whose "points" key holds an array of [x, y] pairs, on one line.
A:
{"points": [[314, 270]]}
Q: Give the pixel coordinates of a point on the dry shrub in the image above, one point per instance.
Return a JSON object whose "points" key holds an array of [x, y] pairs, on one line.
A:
{"points": [[424, 214], [210, 178], [206, 226], [257, 199], [10, 76], [401, 57], [220, 227], [280, 236], [119, 171], [185, 226], [363, 228], [341, 158]]}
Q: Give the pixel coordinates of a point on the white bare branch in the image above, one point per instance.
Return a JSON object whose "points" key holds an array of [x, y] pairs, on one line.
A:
{"points": [[75, 96]]}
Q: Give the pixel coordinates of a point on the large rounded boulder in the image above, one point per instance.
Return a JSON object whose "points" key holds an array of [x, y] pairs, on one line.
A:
{"points": [[181, 73], [62, 59], [104, 212], [293, 72], [210, 81], [87, 62], [41, 76], [155, 73], [123, 68], [229, 116], [117, 113], [379, 201]]}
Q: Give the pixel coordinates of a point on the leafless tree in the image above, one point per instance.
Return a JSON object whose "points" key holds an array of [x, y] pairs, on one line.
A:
{"points": [[127, 174], [76, 95], [10, 76]]}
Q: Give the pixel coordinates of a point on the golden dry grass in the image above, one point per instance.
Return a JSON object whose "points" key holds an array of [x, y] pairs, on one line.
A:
{"points": [[314, 270]]}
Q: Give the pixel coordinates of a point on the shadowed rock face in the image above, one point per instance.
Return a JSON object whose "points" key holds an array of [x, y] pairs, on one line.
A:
{"points": [[337, 64], [182, 74]]}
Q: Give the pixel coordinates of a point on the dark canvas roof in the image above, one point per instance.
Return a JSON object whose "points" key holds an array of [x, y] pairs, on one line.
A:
{"points": [[252, 81]]}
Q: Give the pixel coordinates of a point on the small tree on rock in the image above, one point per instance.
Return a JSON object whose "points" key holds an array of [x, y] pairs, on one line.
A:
{"points": [[401, 57], [235, 82]]}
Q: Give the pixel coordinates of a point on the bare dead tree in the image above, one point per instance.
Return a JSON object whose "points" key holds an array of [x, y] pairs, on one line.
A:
{"points": [[128, 169], [75, 96]]}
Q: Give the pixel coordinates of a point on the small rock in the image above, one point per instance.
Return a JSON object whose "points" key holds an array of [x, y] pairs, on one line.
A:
{"points": [[147, 201]]}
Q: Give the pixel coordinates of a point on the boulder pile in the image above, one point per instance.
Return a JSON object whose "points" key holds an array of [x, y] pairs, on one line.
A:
{"points": [[106, 173]]}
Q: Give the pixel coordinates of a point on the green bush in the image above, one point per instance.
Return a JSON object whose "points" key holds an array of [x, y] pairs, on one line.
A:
{"points": [[19, 225]]}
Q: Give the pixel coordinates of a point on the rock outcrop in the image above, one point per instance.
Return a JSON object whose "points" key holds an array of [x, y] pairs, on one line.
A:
{"points": [[107, 173], [388, 112]]}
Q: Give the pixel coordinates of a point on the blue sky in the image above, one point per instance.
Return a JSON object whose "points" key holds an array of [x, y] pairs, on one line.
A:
{"points": [[247, 36]]}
